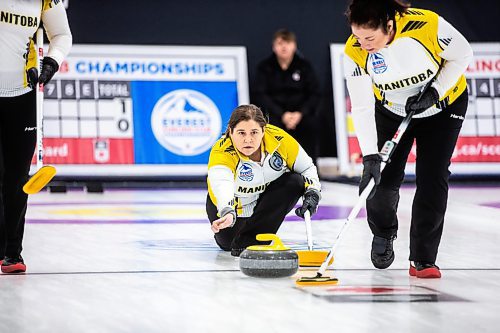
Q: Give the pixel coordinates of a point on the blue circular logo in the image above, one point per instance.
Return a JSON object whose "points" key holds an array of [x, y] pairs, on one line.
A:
{"points": [[186, 122], [276, 162], [246, 173]]}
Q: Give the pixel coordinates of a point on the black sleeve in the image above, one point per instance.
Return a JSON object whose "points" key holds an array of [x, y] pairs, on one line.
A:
{"points": [[311, 90], [263, 98]]}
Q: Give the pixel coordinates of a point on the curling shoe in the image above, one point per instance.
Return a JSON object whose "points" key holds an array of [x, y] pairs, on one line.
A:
{"points": [[13, 265], [424, 270], [382, 252]]}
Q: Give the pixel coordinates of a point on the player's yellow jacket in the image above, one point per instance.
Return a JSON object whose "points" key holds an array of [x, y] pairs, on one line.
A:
{"points": [[236, 181], [423, 43]]}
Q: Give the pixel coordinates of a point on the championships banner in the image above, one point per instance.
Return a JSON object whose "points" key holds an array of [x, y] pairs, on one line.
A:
{"points": [[478, 147], [116, 110]]}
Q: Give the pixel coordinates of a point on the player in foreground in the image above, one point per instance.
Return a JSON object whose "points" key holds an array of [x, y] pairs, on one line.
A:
{"points": [[394, 50], [18, 81], [256, 174]]}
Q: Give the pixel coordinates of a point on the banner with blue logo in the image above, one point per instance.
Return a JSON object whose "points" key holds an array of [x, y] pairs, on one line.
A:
{"points": [[178, 122], [141, 110]]}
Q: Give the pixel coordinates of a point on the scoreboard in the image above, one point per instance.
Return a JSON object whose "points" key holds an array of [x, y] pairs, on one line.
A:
{"points": [[88, 122], [116, 110]]}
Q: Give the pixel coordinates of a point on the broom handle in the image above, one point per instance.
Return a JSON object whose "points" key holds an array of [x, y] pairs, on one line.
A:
{"points": [[307, 219], [385, 153], [39, 103], [347, 224]]}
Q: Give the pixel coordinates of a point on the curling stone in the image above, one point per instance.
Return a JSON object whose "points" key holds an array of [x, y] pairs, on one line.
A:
{"points": [[269, 261]]}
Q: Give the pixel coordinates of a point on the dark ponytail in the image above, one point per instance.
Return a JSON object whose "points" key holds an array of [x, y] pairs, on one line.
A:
{"points": [[375, 14]]}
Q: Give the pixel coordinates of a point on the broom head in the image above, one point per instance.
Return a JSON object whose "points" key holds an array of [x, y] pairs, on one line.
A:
{"points": [[312, 258], [41, 178]]}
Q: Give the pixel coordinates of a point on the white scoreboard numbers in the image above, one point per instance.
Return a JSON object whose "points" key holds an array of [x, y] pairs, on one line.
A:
{"points": [[478, 147], [87, 109]]}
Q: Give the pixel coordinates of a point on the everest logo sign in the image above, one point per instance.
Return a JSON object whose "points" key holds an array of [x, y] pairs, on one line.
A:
{"points": [[186, 122]]}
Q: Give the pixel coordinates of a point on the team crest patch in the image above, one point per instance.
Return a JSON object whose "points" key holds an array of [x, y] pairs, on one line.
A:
{"points": [[378, 63], [276, 162], [246, 173]]}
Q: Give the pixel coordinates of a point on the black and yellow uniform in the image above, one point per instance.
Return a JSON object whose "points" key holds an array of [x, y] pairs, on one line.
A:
{"points": [[424, 45], [262, 193], [19, 21], [294, 89]]}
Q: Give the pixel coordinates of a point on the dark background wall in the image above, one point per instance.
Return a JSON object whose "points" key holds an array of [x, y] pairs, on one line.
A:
{"points": [[251, 23]]}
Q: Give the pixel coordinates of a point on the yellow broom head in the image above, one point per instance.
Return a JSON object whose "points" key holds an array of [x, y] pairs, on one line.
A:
{"points": [[312, 258], [316, 281], [41, 178]]}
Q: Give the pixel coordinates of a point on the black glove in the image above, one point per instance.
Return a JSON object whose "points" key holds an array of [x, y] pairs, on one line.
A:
{"points": [[429, 98], [49, 68], [371, 169], [32, 76], [310, 203]]}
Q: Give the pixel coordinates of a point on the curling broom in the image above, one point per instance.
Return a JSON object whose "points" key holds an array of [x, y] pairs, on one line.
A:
{"points": [[385, 153], [309, 257], [45, 173]]}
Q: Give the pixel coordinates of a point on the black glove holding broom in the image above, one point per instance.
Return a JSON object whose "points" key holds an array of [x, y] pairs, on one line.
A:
{"points": [[49, 68], [371, 169], [309, 203]]}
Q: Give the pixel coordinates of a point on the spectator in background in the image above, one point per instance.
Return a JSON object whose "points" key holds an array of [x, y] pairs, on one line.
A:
{"points": [[287, 89]]}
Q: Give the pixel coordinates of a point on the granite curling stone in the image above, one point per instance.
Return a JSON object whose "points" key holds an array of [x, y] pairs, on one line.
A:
{"points": [[269, 261]]}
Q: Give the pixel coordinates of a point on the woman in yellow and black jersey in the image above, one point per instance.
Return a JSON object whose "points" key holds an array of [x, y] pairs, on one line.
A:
{"points": [[256, 174], [394, 50], [19, 21]]}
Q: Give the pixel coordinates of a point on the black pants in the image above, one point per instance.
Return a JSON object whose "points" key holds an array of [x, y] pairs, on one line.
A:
{"points": [[17, 144], [272, 206], [435, 137]]}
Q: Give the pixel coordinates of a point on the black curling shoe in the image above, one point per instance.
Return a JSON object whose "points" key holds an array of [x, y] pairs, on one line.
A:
{"points": [[382, 252]]}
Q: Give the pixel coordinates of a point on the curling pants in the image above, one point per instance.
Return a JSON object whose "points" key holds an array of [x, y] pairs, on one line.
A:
{"points": [[272, 206], [17, 144], [435, 138]]}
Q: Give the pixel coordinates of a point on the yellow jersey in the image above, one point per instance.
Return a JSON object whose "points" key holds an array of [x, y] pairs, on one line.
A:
{"points": [[424, 43], [236, 181]]}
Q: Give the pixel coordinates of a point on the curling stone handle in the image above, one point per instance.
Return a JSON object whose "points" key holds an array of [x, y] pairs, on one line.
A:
{"points": [[277, 243]]}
